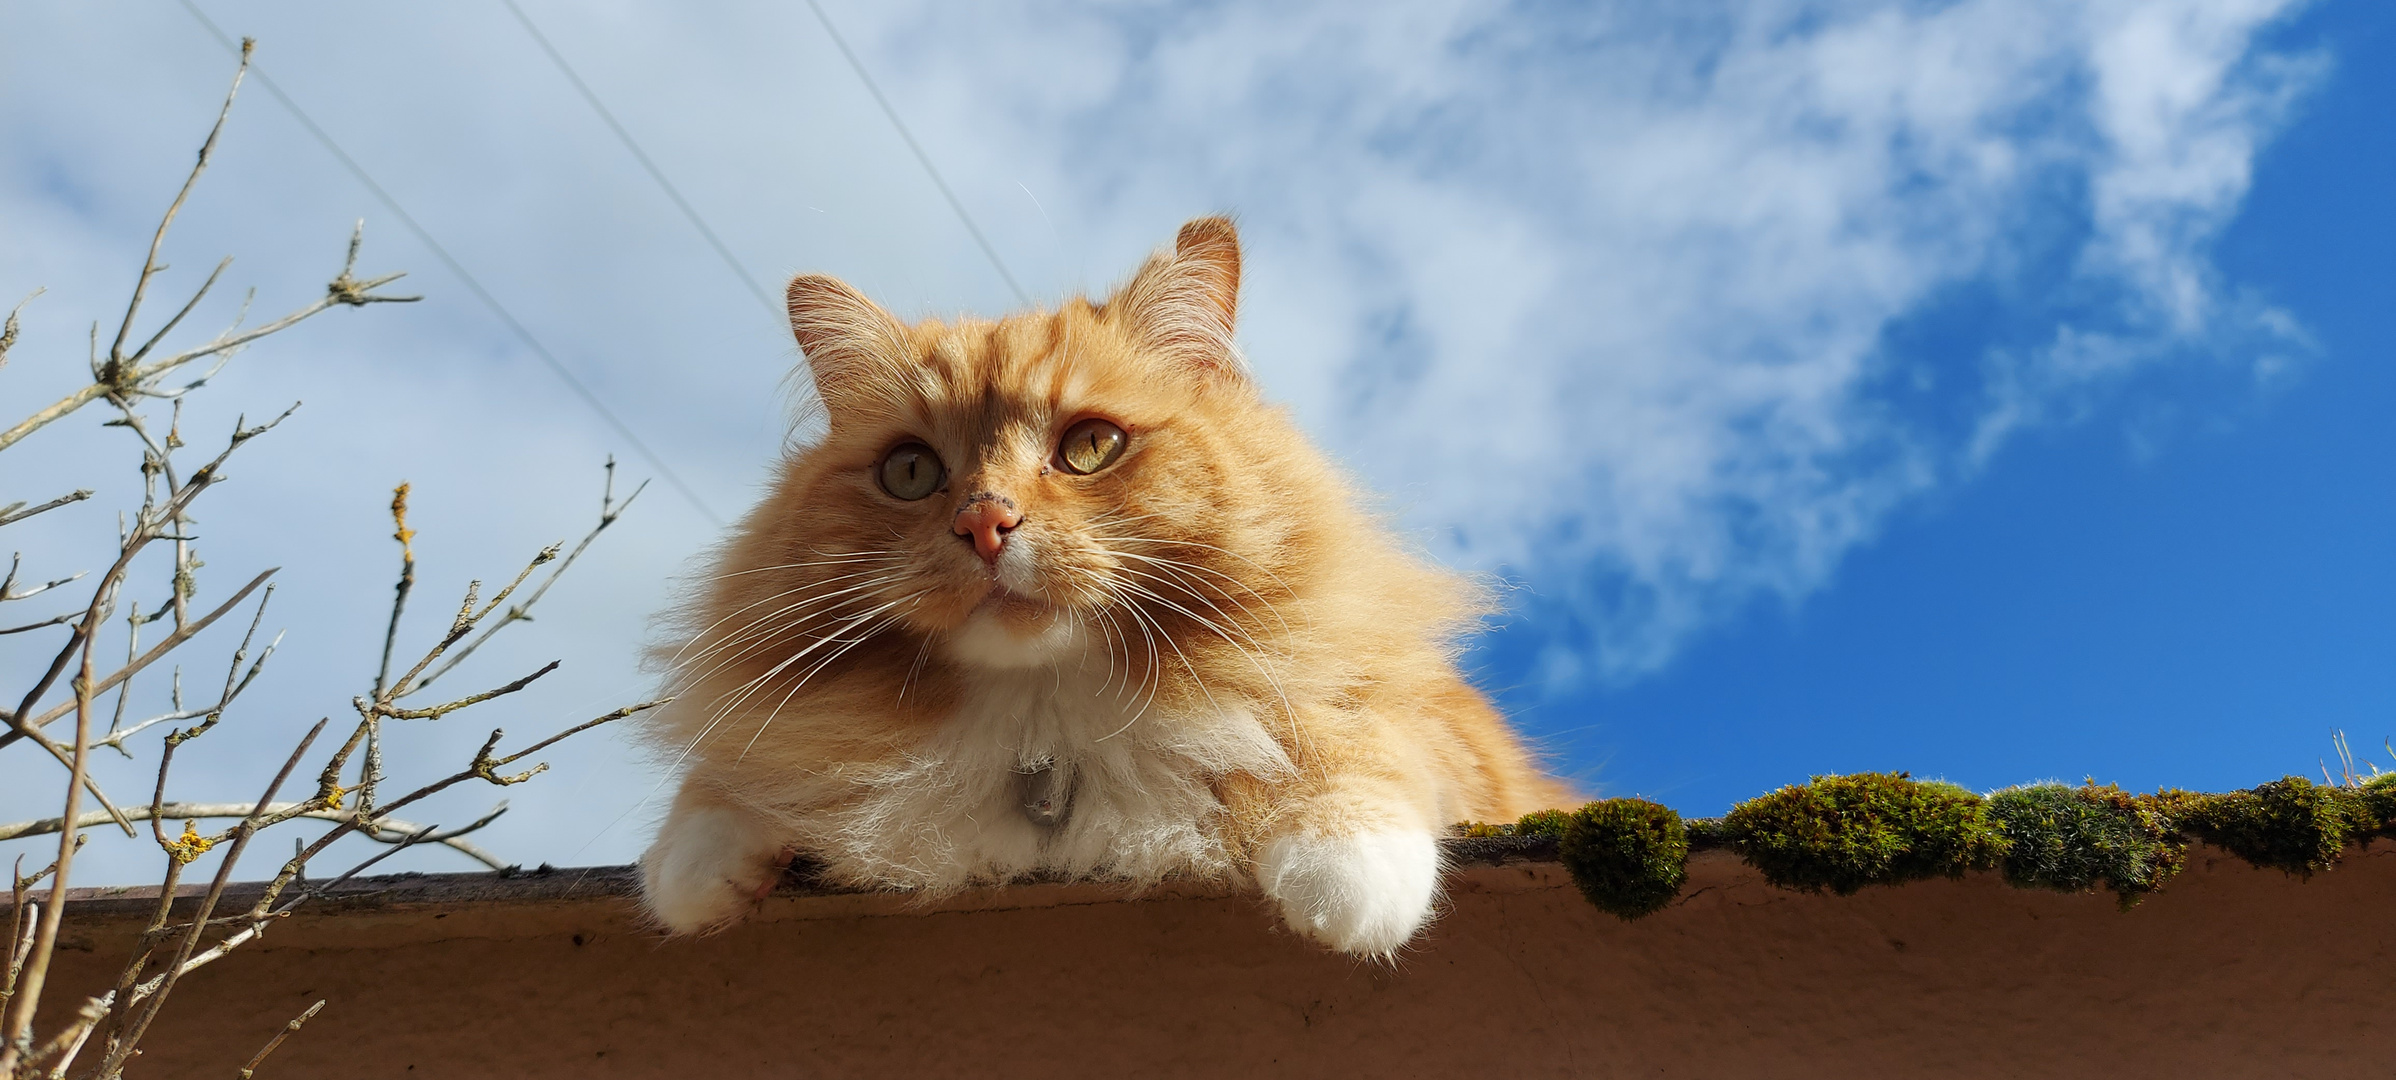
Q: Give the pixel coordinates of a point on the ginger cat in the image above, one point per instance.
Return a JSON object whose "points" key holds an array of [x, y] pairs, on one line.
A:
{"points": [[1062, 595]]}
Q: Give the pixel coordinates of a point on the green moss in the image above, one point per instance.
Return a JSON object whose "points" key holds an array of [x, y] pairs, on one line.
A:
{"points": [[1842, 833], [1845, 832], [1629, 856], [2379, 801], [1542, 823], [1706, 833], [2071, 840], [2290, 824]]}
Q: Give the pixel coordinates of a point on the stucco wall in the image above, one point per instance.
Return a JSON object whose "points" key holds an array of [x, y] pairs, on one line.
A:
{"points": [[2230, 972]]}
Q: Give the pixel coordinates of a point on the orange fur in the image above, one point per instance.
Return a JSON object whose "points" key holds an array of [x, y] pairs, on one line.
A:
{"points": [[1209, 641]]}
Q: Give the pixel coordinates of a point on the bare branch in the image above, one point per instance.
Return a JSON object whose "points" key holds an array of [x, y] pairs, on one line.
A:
{"points": [[17, 1029], [196, 297], [12, 513], [65, 756], [8, 590], [290, 1029], [387, 830], [69, 1040], [235, 682], [463, 623], [20, 942], [8, 329], [53, 620], [139, 378], [149, 266], [486, 767], [126, 375], [216, 891], [609, 511], [150, 520], [407, 580], [164, 646], [438, 711]]}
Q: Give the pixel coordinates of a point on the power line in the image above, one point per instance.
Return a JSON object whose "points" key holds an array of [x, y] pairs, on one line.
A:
{"points": [[921, 157], [688, 212], [522, 334]]}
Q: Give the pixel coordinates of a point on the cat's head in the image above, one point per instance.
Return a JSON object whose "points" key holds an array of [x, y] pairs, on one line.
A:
{"points": [[1019, 489]]}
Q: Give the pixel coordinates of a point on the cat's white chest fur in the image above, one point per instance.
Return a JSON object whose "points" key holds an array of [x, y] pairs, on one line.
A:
{"points": [[1131, 787], [1053, 763]]}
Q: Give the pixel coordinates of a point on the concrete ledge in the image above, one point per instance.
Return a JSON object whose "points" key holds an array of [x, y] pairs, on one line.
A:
{"points": [[2232, 971]]}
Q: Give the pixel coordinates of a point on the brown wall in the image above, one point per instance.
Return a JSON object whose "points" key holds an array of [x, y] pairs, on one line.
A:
{"points": [[2231, 972]]}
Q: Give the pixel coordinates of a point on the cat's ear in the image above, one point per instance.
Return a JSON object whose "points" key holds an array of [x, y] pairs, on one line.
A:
{"points": [[1182, 305], [846, 338]]}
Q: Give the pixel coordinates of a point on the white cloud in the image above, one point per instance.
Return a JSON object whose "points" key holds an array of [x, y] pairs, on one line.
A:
{"points": [[1597, 294], [1641, 264]]}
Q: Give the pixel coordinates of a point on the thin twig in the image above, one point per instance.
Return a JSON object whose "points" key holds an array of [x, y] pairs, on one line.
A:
{"points": [[407, 580], [8, 328], [609, 511], [387, 830], [133, 544], [216, 890], [436, 712], [69, 1040], [343, 290], [8, 585], [288, 1031], [18, 1028], [149, 266], [14, 512], [468, 617], [164, 646]]}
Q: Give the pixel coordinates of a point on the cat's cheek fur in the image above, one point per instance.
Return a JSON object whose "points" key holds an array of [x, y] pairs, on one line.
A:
{"points": [[1365, 893], [708, 864]]}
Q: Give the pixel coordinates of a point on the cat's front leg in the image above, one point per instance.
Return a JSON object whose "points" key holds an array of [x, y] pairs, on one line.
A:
{"points": [[711, 861], [1355, 872]]}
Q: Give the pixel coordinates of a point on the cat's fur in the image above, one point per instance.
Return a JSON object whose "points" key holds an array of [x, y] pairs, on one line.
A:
{"points": [[1215, 660]]}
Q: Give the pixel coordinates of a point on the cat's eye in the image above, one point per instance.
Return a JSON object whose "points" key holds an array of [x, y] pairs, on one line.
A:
{"points": [[910, 471], [1091, 445]]}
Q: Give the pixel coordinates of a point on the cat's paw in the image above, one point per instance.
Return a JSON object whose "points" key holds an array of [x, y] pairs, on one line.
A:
{"points": [[1364, 894], [707, 866]]}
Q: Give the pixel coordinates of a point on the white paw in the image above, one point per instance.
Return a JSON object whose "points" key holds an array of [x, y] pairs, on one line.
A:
{"points": [[706, 867], [1363, 894]]}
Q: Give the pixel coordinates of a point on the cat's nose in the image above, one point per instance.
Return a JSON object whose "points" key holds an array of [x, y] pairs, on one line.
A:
{"points": [[986, 520]]}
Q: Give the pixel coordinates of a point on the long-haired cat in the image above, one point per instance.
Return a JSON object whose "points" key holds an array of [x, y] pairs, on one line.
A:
{"points": [[1062, 595]]}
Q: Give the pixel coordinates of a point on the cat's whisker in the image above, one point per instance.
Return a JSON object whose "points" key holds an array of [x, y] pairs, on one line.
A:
{"points": [[1107, 520], [1260, 568], [783, 634], [1218, 629], [914, 669], [1187, 567], [753, 627], [811, 587], [1155, 680], [701, 635], [1105, 621], [1182, 583], [725, 710], [1261, 669], [838, 560], [836, 613], [820, 665], [1112, 631]]}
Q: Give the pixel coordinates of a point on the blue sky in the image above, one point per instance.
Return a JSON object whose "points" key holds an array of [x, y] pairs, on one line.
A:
{"points": [[1990, 390], [2191, 586]]}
